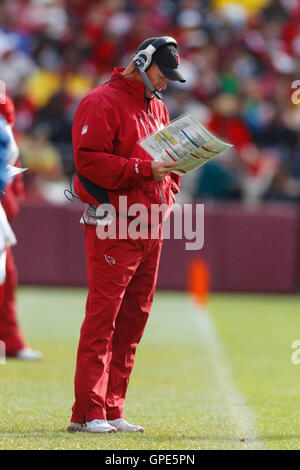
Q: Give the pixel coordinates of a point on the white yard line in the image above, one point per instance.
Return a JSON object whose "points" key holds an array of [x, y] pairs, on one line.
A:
{"points": [[241, 417]]}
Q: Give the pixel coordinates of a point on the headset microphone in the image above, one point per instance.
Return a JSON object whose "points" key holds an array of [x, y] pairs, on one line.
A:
{"points": [[138, 64]]}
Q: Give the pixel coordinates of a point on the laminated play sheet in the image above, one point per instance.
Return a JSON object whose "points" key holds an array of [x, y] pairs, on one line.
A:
{"points": [[184, 140]]}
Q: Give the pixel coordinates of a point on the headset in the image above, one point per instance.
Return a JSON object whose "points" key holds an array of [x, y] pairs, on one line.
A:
{"points": [[143, 59]]}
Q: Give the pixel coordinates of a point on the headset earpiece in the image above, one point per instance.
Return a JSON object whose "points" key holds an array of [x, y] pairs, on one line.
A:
{"points": [[140, 61]]}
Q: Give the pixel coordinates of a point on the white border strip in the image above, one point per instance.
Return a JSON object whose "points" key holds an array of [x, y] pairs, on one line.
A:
{"points": [[242, 418]]}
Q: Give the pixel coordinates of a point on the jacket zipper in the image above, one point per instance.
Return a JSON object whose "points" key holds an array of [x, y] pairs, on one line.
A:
{"points": [[159, 187], [143, 124]]}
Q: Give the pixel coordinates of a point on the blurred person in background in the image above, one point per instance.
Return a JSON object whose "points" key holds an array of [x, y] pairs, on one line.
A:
{"points": [[45, 163], [6, 234], [10, 331], [122, 272]]}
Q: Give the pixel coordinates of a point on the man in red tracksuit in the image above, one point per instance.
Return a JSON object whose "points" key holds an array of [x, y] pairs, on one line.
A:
{"points": [[121, 272]]}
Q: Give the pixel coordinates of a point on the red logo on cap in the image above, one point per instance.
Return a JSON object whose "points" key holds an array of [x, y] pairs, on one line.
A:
{"points": [[177, 58]]}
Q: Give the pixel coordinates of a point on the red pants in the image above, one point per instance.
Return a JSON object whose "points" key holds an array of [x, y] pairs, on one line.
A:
{"points": [[9, 330], [121, 279]]}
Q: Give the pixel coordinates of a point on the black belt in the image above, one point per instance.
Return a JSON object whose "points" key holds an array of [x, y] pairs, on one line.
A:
{"points": [[98, 193]]}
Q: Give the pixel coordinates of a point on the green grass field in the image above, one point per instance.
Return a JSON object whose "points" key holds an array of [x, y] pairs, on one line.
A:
{"points": [[190, 389]]}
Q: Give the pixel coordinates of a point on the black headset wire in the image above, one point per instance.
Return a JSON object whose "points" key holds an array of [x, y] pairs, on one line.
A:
{"points": [[118, 78], [69, 193]]}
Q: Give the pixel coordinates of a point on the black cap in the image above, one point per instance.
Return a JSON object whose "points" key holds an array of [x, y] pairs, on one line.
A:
{"points": [[167, 59]]}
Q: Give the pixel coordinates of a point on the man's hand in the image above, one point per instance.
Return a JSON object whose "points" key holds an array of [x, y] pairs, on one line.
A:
{"points": [[161, 169]]}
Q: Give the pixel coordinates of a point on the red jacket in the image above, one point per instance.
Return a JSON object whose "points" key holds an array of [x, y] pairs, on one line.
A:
{"points": [[108, 123]]}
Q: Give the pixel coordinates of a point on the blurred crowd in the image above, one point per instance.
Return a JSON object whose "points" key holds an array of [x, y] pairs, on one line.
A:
{"points": [[241, 60]]}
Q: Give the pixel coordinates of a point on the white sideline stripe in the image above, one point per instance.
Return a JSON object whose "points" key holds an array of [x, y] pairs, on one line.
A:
{"points": [[242, 418]]}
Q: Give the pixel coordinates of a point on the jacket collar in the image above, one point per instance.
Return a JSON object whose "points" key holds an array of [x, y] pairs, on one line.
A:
{"points": [[135, 89]]}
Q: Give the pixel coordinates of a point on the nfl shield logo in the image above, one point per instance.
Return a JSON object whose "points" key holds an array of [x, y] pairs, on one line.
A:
{"points": [[84, 130]]}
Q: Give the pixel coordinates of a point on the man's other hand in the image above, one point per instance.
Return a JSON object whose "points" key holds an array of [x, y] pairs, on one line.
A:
{"points": [[161, 169]]}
